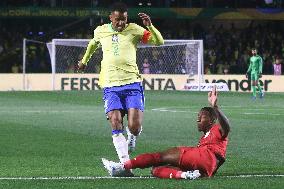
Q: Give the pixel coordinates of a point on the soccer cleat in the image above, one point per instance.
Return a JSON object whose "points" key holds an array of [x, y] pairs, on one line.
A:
{"points": [[192, 174], [131, 141], [116, 169]]}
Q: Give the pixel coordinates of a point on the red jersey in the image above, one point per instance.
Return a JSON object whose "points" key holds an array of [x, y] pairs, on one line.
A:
{"points": [[213, 141]]}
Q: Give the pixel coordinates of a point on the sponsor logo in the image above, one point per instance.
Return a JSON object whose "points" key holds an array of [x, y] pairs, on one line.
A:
{"points": [[84, 83], [240, 85], [159, 84], [206, 86], [74, 83]]}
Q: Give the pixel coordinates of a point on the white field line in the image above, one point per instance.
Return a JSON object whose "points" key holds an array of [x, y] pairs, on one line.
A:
{"points": [[46, 111], [173, 110], [249, 176], [260, 113], [71, 178], [167, 110], [108, 177]]}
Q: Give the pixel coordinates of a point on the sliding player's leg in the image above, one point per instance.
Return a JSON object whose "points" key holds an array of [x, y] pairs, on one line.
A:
{"points": [[199, 158], [158, 160], [174, 172], [146, 160]]}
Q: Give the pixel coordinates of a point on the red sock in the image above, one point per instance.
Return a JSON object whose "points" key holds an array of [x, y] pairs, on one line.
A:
{"points": [[166, 172], [143, 161]]}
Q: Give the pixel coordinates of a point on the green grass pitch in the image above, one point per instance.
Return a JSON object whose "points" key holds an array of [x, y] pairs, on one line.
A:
{"points": [[65, 134]]}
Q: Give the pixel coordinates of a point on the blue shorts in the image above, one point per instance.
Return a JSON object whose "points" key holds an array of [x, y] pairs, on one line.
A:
{"points": [[124, 97]]}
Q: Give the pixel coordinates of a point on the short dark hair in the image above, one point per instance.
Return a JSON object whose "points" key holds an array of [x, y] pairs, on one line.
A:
{"points": [[119, 6], [211, 112]]}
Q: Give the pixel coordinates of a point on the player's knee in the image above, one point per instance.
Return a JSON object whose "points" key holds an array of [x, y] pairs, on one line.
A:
{"points": [[115, 121], [170, 156]]}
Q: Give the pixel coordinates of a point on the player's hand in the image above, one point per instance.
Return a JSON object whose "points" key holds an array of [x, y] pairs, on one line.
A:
{"points": [[80, 67], [212, 97], [260, 75], [145, 18]]}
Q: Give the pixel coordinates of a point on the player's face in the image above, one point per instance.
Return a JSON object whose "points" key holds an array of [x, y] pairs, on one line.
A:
{"points": [[118, 20], [203, 121], [253, 52]]}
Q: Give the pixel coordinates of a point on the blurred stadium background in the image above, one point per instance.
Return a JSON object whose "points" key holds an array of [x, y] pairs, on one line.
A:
{"points": [[64, 133]]}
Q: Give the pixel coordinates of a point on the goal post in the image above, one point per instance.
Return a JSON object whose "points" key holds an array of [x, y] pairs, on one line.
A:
{"points": [[174, 57], [33, 60]]}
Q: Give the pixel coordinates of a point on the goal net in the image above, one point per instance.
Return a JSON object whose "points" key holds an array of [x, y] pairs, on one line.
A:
{"points": [[34, 60], [174, 57]]}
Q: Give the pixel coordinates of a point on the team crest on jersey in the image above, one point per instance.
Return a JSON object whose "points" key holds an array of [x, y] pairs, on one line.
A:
{"points": [[115, 38]]}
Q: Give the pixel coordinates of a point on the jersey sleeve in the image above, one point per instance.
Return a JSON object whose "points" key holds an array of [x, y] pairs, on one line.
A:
{"points": [[97, 34], [93, 45], [250, 66], [150, 35], [139, 31], [260, 65], [155, 36]]}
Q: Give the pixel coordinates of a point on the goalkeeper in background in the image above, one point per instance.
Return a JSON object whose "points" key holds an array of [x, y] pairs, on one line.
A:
{"points": [[119, 75], [255, 69]]}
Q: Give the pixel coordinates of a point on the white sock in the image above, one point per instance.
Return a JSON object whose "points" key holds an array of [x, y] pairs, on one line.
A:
{"points": [[121, 147]]}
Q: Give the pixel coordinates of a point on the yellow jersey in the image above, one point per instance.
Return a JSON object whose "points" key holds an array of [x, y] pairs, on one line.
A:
{"points": [[118, 66]]}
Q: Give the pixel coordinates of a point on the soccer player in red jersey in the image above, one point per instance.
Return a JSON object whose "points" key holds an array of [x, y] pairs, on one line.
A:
{"points": [[187, 162]]}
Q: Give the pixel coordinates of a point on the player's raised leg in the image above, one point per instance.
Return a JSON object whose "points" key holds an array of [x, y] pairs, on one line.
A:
{"points": [[134, 129], [135, 107]]}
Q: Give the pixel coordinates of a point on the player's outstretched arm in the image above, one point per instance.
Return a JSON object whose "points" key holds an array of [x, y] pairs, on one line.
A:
{"points": [[155, 38], [223, 120], [91, 48]]}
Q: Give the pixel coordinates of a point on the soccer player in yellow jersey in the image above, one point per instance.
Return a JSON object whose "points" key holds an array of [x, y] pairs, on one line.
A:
{"points": [[119, 76]]}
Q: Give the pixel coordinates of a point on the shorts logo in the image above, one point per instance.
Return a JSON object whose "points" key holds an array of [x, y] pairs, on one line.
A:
{"points": [[106, 104]]}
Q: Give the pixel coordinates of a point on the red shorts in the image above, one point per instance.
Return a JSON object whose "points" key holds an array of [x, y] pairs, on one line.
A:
{"points": [[200, 158]]}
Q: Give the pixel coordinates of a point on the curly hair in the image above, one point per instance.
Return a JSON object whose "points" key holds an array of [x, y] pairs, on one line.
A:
{"points": [[211, 112], [119, 6]]}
